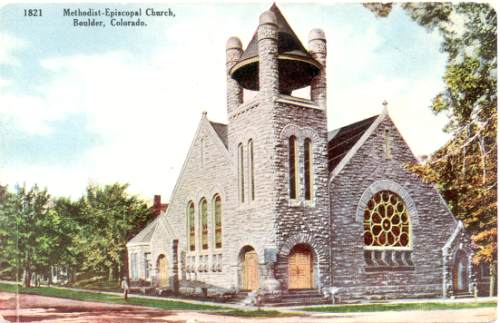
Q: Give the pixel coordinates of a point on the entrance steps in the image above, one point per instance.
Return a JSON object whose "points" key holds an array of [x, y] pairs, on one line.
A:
{"points": [[300, 297], [458, 295]]}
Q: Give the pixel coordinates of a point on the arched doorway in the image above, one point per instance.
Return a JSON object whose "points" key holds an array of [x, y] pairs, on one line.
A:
{"points": [[249, 269], [300, 267], [460, 273], [162, 271]]}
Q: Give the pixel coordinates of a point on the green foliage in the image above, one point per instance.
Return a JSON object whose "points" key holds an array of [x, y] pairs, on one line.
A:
{"points": [[88, 236], [465, 169], [424, 306], [106, 298]]}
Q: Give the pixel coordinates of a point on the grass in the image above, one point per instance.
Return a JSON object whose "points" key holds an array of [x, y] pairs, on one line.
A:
{"points": [[157, 303], [424, 306], [256, 313], [106, 298]]}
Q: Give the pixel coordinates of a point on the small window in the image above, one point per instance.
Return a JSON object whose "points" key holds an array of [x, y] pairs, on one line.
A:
{"points": [[251, 170], [292, 166], [217, 207], [241, 174], [204, 224], [190, 225], [308, 169]]}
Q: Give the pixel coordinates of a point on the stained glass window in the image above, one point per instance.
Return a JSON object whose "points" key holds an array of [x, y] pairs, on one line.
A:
{"points": [[204, 224], [386, 221], [191, 230], [218, 221]]}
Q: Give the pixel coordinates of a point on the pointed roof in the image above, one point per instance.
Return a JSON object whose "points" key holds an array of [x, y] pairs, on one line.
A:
{"points": [[299, 66], [288, 42], [341, 140]]}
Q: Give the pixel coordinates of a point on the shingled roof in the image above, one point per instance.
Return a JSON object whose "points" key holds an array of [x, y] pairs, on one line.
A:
{"points": [[341, 140], [146, 234], [221, 130], [288, 42]]}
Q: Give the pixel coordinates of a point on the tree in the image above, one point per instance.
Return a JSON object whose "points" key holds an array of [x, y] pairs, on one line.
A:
{"points": [[112, 217], [26, 218], [465, 169]]}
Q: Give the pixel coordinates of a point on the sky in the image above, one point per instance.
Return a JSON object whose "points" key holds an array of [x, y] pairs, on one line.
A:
{"points": [[81, 105]]}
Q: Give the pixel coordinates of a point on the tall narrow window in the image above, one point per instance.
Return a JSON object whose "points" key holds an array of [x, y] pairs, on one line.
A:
{"points": [[217, 207], [191, 230], [147, 264], [133, 265], [387, 144], [202, 156], [204, 224], [308, 169], [251, 170], [241, 174], [292, 166]]}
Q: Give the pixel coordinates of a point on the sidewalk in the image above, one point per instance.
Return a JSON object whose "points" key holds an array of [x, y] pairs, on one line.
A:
{"points": [[295, 309]]}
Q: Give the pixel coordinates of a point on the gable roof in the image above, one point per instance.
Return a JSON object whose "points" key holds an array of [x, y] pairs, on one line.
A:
{"points": [[221, 130], [341, 140], [144, 237]]}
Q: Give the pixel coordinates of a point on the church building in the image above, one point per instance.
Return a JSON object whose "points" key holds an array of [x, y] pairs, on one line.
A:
{"points": [[273, 201]]}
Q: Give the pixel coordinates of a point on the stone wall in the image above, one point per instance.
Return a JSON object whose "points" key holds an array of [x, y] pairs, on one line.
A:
{"points": [[431, 223], [300, 221], [198, 179]]}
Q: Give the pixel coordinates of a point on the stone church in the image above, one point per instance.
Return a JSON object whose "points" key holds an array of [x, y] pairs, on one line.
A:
{"points": [[273, 201]]}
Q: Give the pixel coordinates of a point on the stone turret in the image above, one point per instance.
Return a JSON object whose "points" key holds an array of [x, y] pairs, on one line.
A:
{"points": [[234, 92], [317, 49], [268, 56], [296, 67]]}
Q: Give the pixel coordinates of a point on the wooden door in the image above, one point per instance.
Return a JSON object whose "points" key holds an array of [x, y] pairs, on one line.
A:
{"points": [[300, 269], [250, 271], [163, 271]]}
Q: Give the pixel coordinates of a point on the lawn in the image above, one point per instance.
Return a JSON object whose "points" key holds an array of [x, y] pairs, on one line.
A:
{"points": [[157, 303], [106, 298], [424, 306]]}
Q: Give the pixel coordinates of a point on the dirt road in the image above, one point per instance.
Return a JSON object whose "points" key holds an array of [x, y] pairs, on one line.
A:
{"points": [[49, 309]]}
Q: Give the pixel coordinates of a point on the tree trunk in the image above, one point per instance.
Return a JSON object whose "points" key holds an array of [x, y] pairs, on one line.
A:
{"points": [[492, 278], [27, 277]]}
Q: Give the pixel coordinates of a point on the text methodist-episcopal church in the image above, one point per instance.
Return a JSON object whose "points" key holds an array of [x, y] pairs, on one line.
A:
{"points": [[274, 201]]}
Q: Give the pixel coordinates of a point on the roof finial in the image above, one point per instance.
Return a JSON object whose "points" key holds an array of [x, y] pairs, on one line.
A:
{"points": [[204, 114], [385, 110]]}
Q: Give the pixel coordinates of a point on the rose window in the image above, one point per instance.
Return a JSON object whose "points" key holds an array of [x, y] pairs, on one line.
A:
{"points": [[386, 222]]}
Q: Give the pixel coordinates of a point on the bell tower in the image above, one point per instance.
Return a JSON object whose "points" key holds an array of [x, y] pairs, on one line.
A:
{"points": [[278, 143]]}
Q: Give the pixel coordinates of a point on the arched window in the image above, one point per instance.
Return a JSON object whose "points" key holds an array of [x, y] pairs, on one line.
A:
{"points": [[251, 170], [292, 166], [308, 171], [204, 224], [386, 222], [241, 174], [217, 207], [190, 225]]}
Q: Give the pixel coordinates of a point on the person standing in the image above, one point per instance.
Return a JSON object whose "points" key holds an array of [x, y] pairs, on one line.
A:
{"points": [[125, 288]]}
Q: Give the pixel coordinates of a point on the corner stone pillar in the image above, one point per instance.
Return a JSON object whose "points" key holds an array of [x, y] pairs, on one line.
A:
{"points": [[234, 92], [267, 35], [317, 49]]}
